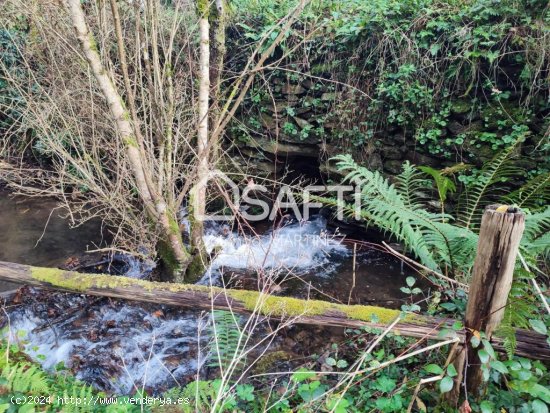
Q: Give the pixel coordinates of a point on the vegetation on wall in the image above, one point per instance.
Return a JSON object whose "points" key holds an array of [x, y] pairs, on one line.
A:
{"points": [[431, 82]]}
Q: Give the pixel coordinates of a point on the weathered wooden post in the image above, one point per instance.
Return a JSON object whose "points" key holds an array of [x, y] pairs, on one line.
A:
{"points": [[497, 249]]}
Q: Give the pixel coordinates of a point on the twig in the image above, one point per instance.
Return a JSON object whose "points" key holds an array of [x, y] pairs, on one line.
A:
{"points": [[413, 262], [535, 284], [353, 271]]}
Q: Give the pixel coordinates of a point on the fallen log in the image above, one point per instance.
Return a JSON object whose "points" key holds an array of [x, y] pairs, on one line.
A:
{"points": [[199, 297]]}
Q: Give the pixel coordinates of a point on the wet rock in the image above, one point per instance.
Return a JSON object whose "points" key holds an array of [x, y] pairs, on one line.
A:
{"points": [[308, 83], [394, 167], [421, 159], [268, 121], [282, 148], [302, 123], [270, 167], [292, 99], [329, 96], [93, 335], [391, 152], [279, 106], [479, 153], [456, 128], [270, 360], [374, 162], [289, 89]]}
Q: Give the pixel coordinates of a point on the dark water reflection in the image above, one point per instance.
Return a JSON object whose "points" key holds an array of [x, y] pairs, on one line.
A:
{"points": [[33, 232]]}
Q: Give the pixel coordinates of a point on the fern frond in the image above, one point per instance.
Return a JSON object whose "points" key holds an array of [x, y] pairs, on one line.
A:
{"points": [[23, 378], [532, 194], [227, 338], [478, 194], [536, 236], [508, 334], [412, 185]]}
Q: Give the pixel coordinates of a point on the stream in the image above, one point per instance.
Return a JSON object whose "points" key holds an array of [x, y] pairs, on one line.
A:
{"points": [[120, 346]]}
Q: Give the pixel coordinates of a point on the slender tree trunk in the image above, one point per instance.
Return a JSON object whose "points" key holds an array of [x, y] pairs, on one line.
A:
{"points": [[217, 51], [198, 193], [173, 249]]}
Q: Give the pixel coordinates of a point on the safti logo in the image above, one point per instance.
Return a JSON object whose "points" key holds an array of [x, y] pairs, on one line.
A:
{"points": [[241, 201]]}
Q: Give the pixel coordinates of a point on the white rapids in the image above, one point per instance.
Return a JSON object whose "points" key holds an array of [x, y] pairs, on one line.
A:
{"points": [[293, 247]]}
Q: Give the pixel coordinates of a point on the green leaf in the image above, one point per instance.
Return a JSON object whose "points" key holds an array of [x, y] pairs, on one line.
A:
{"points": [[514, 365], [385, 384], [329, 361], [486, 407], [434, 369], [245, 392], [483, 356], [448, 306], [410, 281], [446, 384], [485, 372], [524, 375], [302, 375], [26, 408], [342, 364], [434, 48], [338, 405], [474, 341], [457, 325], [451, 371], [499, 366], [539, 406], [534, 389], [489, 348], [538, 326]]}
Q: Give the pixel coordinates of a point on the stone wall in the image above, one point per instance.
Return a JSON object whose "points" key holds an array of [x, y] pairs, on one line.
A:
{"points": [[306, 122]]}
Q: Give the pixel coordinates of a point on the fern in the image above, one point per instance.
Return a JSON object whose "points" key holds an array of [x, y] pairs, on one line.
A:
{"points": [[478, 194], [533, 194], [81, 391], [535, 242], [393, 209], [520, 309], [411, 185], [23, 378], [227, 337], [508, 334]]}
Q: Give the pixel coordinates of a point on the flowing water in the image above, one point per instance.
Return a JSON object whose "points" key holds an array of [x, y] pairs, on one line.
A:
{"points": [[120, 346]]}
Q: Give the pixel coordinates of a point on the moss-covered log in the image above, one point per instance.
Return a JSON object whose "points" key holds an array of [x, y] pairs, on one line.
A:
{"points": [[200, 297]]}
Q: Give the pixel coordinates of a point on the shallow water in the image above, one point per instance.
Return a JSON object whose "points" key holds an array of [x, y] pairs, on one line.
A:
{"points": [[117, 346], [33, 232], [120, 346]]}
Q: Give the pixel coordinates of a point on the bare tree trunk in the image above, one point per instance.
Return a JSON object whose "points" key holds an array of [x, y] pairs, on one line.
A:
{"points": [[173, 248], [198, 193], [217, 55]]}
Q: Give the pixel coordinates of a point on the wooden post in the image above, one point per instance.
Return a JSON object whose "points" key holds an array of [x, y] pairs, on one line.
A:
{"points": [[492, 275]]}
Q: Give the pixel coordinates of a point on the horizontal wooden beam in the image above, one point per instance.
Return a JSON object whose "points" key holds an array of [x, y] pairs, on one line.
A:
{"points": [[198, 297]]}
